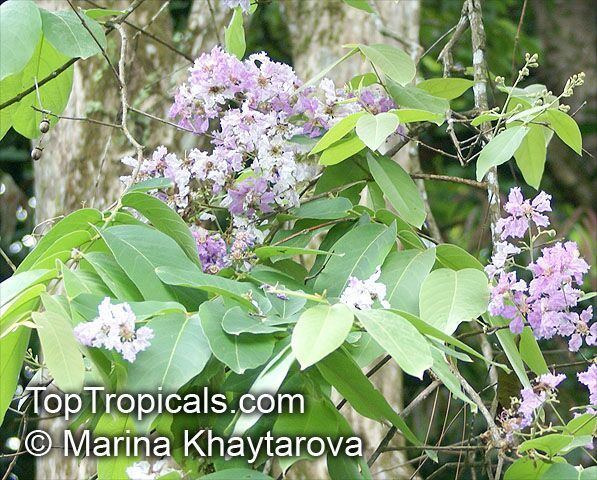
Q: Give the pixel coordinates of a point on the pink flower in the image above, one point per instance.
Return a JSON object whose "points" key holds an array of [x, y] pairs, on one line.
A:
{"points": [[523, 213], [362, 294], [589, 378]]}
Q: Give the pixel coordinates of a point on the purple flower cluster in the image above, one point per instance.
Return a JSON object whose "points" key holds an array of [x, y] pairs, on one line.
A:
{"points": [[251, 110], [244, 4], [546, 302], [523, 214], [114, 329], [522, 412]]}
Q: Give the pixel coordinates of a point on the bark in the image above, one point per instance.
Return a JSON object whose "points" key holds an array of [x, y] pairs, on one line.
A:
{"points": [[568, 34], [318, 31]]}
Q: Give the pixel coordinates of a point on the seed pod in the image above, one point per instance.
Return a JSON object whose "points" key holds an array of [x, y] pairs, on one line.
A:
{"points": [[36, 153], [44, 126]]}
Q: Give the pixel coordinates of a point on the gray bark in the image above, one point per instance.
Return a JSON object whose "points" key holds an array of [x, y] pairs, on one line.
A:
{"points": [[318, 31]]}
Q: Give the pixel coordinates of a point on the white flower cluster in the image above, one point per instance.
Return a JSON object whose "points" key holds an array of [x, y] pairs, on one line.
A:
{"points": [[114, 329], [362, 294]]}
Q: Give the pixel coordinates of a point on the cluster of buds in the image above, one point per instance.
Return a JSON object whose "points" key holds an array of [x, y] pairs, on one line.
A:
{"points": [[530, 62], [574, 81]]}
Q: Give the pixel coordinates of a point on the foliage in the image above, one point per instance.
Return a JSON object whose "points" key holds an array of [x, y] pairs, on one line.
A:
{"points": [[196, 276]]}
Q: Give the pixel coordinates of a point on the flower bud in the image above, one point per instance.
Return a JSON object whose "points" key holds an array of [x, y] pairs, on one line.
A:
{"points": [[36, 153], [44, 126]]}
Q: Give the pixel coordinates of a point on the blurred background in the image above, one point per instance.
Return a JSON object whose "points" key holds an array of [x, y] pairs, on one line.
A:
{"points": [[80, 163]]}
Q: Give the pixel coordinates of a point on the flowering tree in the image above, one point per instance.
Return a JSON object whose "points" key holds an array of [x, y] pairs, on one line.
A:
{"points": [[289, 252]]}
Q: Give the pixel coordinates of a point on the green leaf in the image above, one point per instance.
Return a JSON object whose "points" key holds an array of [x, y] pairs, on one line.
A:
{"points": [[447, 377], [237, 321], [66, 32], [78, 220], [234, 35], [448, 87], [582, 425], [391, 61], [61, 351], [114, 425], [456, 258], [139, 251], [324, 208], [360, 81], [588, 473], [239, 352], [151, 184], [566, 128], [506, 339], [450, 297], [360, 4], [413, 97], [10, 87], [399, 338], [403, 273], [194, 278], [179, 351], [485, 117], [237, 474], [113, 276], [319, 331], [399, 188], [365, 248], [526, 468], [409, 115], [269, 381], [12, 353], [500, 149], [564, 471], [341, 371], [373, 130], [531, 154], [19, 282], [551, 444], [54, 95], [165, 220], [341, 150], [20, 24], [337, 132], [269, 251], [531, 353], [96, 13]]}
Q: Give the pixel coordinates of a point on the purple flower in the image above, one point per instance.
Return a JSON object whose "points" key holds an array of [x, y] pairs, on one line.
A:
{"points": [[533, 398], [211, 249], [114, 329], [523, 213], [244, 4], [589, 379]]}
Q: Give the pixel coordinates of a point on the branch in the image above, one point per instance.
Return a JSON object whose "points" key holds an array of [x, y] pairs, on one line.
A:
{"points": [[118, 20], [448, 178]]}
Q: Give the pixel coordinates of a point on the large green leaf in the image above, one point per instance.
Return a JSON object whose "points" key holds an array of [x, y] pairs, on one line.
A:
{"points": [[341, 150], [66, 32], [549, 444], [373, 130], [403, 273], [456, 258], [448, 87], [12, 353], [237, 321], [531, 154], [319, 331], [337, 132], [341, 371], [399, 338], [531, 353], [164, 219], [234, 34], [413, 97], [508, 344], [500, 149], [54, 94], [365, 248], [20, 24], [60, 351], [19, 282], [194, 278], [447, 377], [324, 208], [526, 468], [409, 115], [10, 87], [239, 352], [139, 251], [391, 61], [399, 188], [113, 276], [565, 127], [450, 297], [114, 425], [269, 381], [178, 352]]}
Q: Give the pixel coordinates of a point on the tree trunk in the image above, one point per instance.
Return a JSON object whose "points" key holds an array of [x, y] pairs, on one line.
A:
{"points": [[567, 30], [81, 164], [318, 30]]}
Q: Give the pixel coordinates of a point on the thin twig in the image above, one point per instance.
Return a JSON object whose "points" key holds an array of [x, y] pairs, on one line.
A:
{"points": [[517, 38]]}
